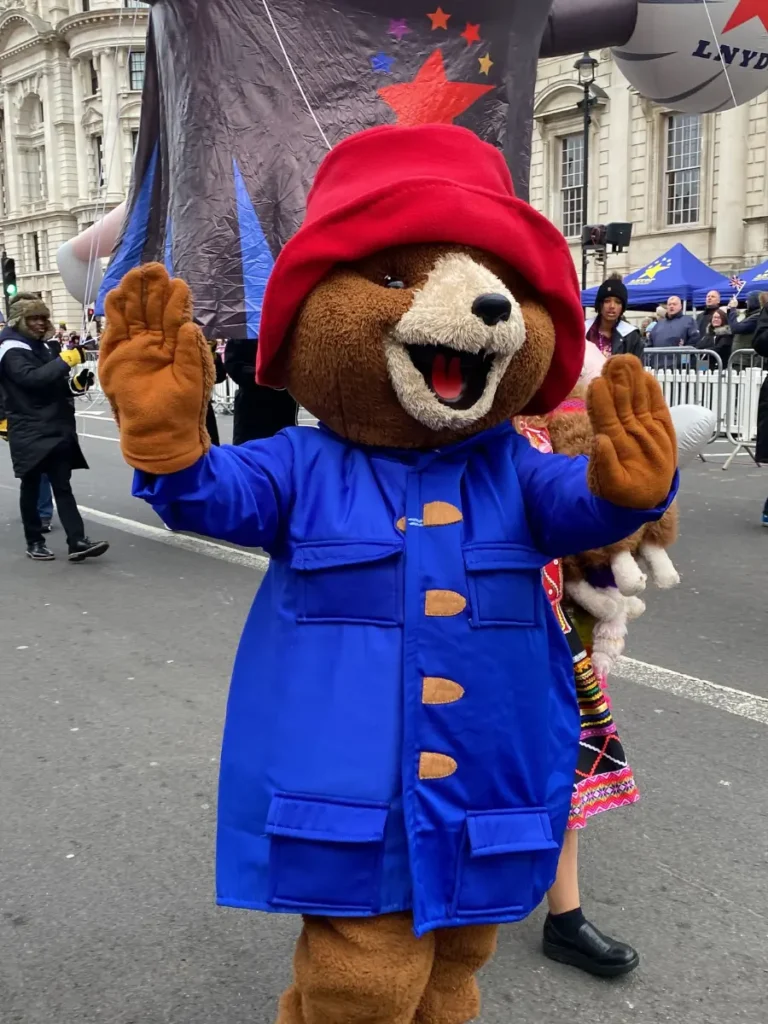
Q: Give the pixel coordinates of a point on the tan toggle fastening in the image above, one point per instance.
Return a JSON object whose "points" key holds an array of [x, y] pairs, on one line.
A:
{"points": [[400, 524], [440, 691], [441, 513], [436, 766], [444, 603]]}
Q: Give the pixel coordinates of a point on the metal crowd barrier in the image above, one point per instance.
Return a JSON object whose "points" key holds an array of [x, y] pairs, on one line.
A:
{"points": [[746, 373], [691, 376]]}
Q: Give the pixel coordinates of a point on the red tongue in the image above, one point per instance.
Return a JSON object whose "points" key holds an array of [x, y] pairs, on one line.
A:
{"points": [[447, 381]]}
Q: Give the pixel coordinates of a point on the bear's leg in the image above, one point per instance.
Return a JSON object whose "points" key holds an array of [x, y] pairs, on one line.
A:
{"points": [[358, 971], [452, 995]]}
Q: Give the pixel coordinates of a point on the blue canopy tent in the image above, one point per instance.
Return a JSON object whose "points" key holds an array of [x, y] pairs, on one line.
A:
{"points": [[677, 272], [755, 279]]}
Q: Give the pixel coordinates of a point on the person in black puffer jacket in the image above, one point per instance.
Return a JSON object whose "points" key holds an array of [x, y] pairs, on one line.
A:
{"points": [[760, 345], [608, 330], [41, 423]]}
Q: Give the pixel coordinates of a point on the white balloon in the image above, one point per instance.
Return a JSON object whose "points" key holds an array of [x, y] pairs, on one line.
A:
{"points": [[694, 426], [690, 54]]}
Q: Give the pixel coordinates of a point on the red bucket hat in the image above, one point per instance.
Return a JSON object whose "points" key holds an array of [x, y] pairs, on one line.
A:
{"points": [[394, 185]]}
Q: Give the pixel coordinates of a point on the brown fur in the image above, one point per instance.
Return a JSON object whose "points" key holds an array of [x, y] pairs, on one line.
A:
{"points": [[348, 970], [337, 343], [571, 434]]}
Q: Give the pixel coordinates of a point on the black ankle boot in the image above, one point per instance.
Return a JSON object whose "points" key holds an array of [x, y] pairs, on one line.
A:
{"points": [[588, 949]]}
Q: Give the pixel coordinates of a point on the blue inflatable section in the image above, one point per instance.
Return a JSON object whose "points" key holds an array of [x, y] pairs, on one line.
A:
{"points": [[676, 272], [134, 239], [169, 246], [257, 258]]}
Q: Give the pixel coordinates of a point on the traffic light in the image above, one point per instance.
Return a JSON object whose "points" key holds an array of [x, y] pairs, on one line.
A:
{"points": [[10, 288]]}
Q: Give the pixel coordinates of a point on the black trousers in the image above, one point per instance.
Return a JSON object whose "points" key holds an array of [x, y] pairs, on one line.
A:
{"points": [[261, 412], [57, 466]]}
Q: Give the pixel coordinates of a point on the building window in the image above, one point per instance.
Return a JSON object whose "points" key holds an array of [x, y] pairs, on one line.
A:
{"points": [[44, 250], [683, 168], [86, 5], [94, 76], [98, 159], [36, 251], [136, 64], [572, 184], [34, 172], [134, 140]]}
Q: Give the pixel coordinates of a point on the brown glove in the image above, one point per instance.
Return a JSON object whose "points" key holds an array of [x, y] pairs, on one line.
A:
{"points": [[156, 370], [634, 454]]}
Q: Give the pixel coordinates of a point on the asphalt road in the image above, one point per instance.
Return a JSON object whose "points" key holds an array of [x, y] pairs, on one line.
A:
{"points": [[114, 679]]}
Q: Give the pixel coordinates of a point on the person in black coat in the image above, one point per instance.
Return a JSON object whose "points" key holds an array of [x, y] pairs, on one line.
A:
{"points": [[41, 424], [760, 345], [259, 411]]}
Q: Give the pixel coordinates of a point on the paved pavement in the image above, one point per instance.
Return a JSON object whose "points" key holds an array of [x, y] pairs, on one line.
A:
{"points": [[114, 678]]}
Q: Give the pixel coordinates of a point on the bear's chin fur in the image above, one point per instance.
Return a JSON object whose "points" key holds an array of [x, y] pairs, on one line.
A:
{"points": [[337, 365]]}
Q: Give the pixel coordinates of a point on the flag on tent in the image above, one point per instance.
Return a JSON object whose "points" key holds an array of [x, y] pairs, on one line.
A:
{"points": [[676, 272]]}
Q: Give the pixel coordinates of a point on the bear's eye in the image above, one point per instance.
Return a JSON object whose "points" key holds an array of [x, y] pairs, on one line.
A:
{"points": [[393, 282]]}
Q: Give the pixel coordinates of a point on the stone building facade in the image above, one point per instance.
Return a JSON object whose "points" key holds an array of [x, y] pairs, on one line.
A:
{"points": [[677, 178], [71, 74]]}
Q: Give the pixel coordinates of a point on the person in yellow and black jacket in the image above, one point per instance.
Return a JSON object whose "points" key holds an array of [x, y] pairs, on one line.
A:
{"points": [[41, 423]]}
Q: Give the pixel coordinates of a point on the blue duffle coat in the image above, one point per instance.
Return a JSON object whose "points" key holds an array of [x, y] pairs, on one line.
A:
{"points": [[402, 726]]}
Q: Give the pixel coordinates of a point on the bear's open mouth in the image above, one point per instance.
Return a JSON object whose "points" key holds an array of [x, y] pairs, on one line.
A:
{"points": [[456, 379]]}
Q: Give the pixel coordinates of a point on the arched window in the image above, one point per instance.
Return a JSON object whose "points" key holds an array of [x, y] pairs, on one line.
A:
{"points": [[31, 145]]}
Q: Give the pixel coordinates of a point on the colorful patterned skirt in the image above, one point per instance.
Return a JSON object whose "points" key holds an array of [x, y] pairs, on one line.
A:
{"points": [[604, 779]]}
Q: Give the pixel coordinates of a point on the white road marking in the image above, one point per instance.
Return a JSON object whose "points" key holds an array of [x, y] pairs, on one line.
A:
{"points": [[197, 545], [702, 691], [723, 698], [99, 437], [92, 413]]}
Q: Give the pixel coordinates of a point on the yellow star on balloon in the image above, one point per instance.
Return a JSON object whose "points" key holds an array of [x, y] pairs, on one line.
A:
{"points": [[485, 64]]}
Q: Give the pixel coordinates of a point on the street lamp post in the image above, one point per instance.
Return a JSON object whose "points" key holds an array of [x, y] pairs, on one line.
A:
{"points": [[586, 67]]}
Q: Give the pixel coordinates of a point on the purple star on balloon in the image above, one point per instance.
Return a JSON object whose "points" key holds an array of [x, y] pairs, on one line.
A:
{"points": [[398, 27], [382, 62]]}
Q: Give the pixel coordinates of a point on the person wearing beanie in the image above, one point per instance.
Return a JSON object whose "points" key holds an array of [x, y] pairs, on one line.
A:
{"points": [[402, 728], [41, 424], [608, 330]]}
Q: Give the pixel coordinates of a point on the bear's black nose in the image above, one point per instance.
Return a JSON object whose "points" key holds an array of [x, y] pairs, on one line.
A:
{"points": [[492, 308]]}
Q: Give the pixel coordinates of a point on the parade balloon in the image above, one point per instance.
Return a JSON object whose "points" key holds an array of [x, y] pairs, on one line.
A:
{"points": [[698, 56], [242, 100]]}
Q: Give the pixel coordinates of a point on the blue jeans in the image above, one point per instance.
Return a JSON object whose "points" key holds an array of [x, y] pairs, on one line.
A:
{"points": [[45, 499]]}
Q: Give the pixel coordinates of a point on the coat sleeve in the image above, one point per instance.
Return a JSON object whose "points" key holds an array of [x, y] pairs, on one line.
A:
{"points": [[240, 494], [760, 340], [564, 517], [692, 333], [23, 369], [745, 326], [635, 344]]}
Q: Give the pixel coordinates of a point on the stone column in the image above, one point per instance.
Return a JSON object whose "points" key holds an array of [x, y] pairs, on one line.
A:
{"points": [[731, 188], [12, 168], [81, 143], [52, 171], [113, 154]]}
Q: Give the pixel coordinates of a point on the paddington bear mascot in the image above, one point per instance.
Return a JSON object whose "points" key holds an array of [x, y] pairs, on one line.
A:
{"points": [[402, 728]]}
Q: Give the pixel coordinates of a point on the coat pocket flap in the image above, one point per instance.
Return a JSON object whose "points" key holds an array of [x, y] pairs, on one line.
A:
{"points": [[487, 557], [326, 820], [312, 556], [512, 831]]}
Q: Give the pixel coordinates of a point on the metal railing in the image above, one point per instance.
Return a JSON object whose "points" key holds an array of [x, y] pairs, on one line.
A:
{"points": [[691, 376], [746, 373]]}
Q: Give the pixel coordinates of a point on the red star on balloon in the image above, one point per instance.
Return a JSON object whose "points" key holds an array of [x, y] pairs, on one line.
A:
{"points": [[430, 98], [471, 33], [745, 11]]}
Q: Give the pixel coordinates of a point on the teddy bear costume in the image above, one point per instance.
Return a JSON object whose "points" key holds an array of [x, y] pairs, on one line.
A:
{"points": [[402, 727]]}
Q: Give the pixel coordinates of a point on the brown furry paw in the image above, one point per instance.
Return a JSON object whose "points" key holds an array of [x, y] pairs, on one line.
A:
{"points": [[634, 456]]}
